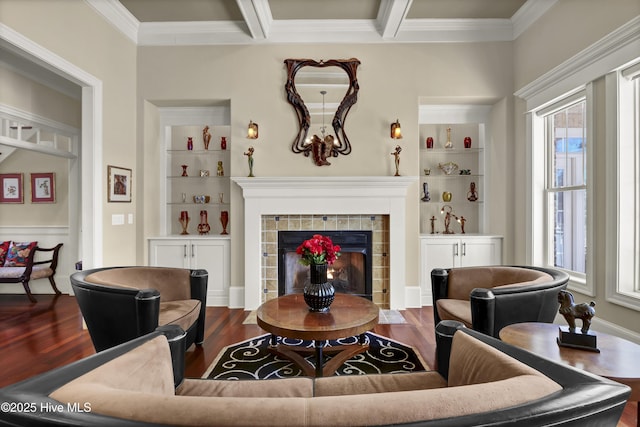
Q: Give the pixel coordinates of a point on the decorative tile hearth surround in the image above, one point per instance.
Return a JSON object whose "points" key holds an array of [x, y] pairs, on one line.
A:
{"points": [[378, 224], [331, 196]]}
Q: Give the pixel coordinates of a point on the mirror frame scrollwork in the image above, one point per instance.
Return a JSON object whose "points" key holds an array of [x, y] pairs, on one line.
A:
{"points": [[343, 146]]}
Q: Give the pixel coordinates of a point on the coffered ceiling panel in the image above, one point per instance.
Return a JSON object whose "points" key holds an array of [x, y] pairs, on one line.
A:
{"points": [[324, 9], [464, 9], [183, 10]]}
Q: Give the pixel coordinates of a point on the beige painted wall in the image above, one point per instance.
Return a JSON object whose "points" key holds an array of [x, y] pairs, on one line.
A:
{"points": [[392, 78], [25, 94], [74, 31], [568, 28]]}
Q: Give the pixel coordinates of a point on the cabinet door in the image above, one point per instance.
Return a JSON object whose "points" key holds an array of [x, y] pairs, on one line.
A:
{"points": [[169, 253], [475, 252], [213, 256], [440, 253]]}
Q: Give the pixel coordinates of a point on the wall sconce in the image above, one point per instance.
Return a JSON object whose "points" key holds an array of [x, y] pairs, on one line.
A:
{"points": [[252, 130], [396, 130]]}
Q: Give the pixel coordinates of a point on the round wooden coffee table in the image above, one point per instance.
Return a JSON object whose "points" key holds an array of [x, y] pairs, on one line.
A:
{"points": [[289, 316], [617, 359]]}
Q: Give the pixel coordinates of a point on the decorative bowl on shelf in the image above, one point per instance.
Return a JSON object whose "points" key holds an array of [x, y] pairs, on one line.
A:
{"points": [[448, 168], [201, 198]]}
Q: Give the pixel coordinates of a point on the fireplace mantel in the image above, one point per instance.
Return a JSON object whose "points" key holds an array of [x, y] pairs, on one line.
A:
{"points": [[363, 195]]}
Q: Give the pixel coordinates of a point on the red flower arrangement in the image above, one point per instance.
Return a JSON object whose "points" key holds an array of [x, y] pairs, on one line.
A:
{"points": [[318, 250]]}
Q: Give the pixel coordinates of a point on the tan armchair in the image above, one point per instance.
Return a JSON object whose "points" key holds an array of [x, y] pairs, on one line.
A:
{"points": [[487, 299]]}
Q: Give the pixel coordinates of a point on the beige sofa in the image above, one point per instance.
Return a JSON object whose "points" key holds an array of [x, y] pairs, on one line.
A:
{"points": [[483, 381]]}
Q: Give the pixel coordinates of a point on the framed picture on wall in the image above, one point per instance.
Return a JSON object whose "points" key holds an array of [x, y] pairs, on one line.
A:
{"points": [[43, 188], [119, 182], [11, 186]]}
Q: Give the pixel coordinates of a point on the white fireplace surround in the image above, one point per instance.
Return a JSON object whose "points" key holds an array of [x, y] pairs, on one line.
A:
{"points": [[363, 195]]}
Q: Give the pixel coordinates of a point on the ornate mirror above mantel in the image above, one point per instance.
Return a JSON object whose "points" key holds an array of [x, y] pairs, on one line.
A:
{"points": [[322, 93]]}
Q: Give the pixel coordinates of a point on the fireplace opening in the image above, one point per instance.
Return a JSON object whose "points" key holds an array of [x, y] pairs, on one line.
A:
{"points": [[350, 274]]}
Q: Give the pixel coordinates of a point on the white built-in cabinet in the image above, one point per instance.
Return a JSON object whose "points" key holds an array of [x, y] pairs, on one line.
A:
{"points": [[195, 179], [449, 125], [211, 254]]}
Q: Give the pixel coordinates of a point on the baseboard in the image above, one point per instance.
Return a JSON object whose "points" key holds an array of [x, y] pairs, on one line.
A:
{"points": [[236, 297], [412, 297]]}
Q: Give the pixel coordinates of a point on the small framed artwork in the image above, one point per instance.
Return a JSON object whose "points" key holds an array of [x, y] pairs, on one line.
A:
{"points": [[119, 182], [43, 188], [11, 186]]}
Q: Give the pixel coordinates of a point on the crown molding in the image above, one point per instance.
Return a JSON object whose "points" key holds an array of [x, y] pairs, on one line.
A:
{"points": [[194, 33], [612, 51], [530, 12], [455, 30], [115, 13]]}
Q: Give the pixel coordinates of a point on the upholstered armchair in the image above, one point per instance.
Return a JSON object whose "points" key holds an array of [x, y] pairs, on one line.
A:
{"points": [[122, 303], [487, 299]]}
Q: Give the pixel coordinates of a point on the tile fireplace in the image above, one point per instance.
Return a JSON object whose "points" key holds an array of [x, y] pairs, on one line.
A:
{"points": [[266, 198]]}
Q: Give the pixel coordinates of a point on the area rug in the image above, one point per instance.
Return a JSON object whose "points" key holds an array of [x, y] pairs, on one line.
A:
{"points": [[251, 359], [389, 317]]}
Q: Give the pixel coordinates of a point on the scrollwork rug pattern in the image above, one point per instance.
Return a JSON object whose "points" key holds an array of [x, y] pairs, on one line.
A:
{"points": [[251, 359]]}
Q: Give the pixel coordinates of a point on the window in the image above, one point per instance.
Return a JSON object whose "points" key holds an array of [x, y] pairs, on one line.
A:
{"points": [[567, 187], [561, 171], [623, 186]]}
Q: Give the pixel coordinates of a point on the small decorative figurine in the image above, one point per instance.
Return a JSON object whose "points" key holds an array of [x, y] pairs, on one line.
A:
{"points": [[472, 195], [184, 221], [184, 170], [449, 144], [427, 196], [189, 143], [396, 154], [571, 311], [433, 220], [249, 155], [568, 337], [467, 142], [203, 227], [429, 142], [223, 142], [220, 171], [447, 211], [221, 198], [206, 137], [462, 220]]}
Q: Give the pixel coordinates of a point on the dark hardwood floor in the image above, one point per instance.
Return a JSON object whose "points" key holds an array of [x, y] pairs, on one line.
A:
{"points": [[35, 338]]}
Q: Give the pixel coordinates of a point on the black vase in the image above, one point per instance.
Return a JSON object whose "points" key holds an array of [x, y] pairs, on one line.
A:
{"points": [[318, 293]]}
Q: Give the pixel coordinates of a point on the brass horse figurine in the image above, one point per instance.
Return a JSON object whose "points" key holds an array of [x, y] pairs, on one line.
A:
{"points": [[572, 311]]}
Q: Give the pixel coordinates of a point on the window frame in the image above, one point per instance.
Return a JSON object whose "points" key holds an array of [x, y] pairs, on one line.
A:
{"points": [[541, 220], [622, 125]]}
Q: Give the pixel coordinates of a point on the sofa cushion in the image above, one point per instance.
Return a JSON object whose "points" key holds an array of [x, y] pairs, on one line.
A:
{"points": [[145, 369], [463, 280], [455, 309], [285, 387], [182, 313], [18, 253], [172, 283], [474, 362], [382, 383], [37, 272]]}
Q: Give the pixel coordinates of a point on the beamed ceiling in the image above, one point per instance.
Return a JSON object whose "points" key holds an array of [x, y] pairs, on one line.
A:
{"points": [[197, 22]]}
